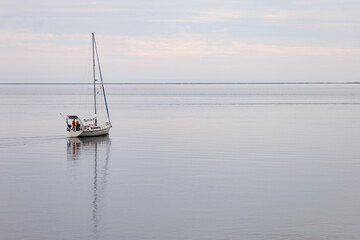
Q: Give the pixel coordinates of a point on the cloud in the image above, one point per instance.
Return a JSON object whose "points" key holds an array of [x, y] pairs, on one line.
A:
{"points": [[206, 16], [225, 15], [26, 36], [170, 46], [64, 57], [61, 10], [194, 46]]}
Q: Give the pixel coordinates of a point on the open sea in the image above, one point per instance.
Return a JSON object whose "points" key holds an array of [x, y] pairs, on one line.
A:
{"points": [[183, 162]]}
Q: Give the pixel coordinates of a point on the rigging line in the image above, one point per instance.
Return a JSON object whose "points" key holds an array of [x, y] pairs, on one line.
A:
{"points": [[103, 117], [102, 83]]}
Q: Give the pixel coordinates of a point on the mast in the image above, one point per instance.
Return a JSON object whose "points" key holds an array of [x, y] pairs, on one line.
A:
{"points": [[102, 83], [93, 53]]}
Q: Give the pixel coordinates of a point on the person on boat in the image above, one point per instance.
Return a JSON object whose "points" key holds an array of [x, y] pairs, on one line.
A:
{"points": [[77, 126], [67, 123], [73, 125]]}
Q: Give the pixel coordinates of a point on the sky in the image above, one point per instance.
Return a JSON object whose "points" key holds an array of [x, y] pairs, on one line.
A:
{"points": [[181, 40]]}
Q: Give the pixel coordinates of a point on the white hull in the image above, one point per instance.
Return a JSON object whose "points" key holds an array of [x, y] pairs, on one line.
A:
{"points": [[91, 132]]}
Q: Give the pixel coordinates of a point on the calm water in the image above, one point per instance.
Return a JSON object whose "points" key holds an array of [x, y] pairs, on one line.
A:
{"points": [[202, 162]]}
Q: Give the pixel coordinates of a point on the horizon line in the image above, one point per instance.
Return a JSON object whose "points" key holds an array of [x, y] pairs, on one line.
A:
{"points": [[180, 83]]}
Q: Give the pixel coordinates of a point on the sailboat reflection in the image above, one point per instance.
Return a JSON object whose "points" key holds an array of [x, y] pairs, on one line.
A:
{"points": [[97, 149]]}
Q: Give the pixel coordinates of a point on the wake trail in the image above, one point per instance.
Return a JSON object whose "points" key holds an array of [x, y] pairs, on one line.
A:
{"points": [[16, 141]]}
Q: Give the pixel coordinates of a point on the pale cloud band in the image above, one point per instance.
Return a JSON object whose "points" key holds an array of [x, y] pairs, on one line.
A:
{"points": [[190, 45]]}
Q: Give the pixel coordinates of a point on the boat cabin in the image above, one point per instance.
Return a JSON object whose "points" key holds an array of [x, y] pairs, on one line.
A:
{"points": [[76, 124]]}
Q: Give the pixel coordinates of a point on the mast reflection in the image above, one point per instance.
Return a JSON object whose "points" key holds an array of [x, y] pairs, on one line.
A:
{"points": [[98, 150]]}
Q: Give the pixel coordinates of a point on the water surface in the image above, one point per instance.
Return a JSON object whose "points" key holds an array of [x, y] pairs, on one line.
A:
{"points": [[183, 162]]}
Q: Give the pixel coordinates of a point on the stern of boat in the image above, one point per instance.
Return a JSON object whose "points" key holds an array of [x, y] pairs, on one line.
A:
{"points": [[75, 133]]}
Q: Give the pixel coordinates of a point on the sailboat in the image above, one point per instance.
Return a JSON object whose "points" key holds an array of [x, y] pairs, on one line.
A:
{"points": [[91, 127]]}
